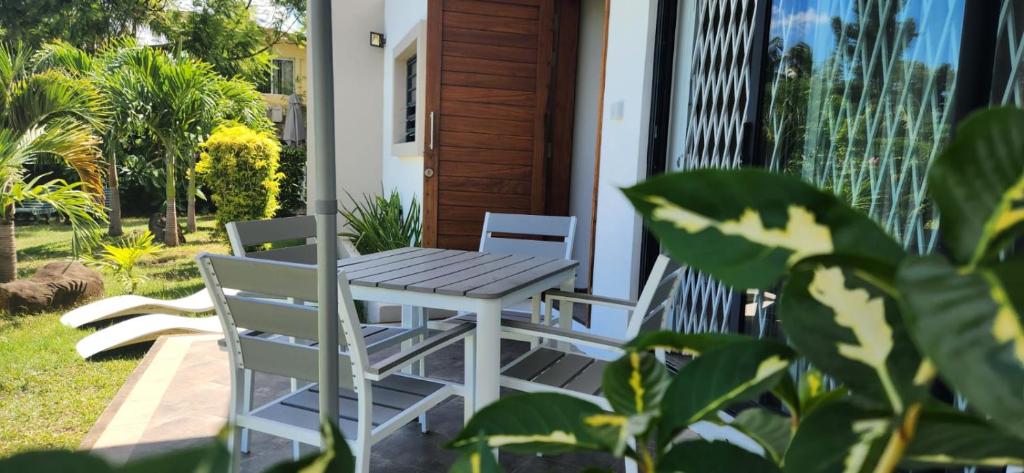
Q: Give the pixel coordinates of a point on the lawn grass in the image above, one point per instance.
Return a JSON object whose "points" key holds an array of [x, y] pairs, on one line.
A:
{"points": [[49, 396]]}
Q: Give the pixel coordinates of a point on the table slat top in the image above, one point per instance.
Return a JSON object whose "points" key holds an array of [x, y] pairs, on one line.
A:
{"points": [[451, 272]]}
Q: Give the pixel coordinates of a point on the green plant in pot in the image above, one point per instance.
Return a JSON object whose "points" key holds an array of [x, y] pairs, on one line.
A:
{"points": [[885, 325], [379, 223]]}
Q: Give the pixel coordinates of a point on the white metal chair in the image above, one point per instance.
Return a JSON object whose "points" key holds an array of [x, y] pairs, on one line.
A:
{"points": [[542, 236], [375, 398], [561, 367], [300, 231]]}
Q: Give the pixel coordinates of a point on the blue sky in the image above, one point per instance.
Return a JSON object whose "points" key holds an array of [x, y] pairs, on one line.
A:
{"points": [[939, 25]]}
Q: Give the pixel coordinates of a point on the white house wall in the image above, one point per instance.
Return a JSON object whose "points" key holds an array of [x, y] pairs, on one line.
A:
{"points": [[358, 98], [628, 74], [404, 173]]}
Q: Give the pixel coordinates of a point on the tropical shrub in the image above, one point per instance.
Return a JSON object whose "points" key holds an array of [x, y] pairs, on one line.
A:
{"points": [[293, 184], [240, 166], [380, 223], [887, 326], [122, 257]]}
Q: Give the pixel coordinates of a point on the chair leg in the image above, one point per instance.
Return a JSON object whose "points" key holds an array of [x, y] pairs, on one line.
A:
{"points": [[234, 447], [535, 317], [248, 388]]}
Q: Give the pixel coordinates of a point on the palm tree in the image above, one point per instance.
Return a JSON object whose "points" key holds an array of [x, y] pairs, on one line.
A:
{"points": [[171, 97], [46, 113]]}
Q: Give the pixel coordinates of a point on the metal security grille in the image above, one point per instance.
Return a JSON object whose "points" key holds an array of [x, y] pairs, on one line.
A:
{"points": [[1009, 75], [721, 73]]}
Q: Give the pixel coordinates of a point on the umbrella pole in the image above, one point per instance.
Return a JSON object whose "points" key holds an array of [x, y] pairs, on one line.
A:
{"points": [[325, 206]]}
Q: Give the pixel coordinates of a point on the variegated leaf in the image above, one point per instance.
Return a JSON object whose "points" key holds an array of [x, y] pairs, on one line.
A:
{"points": [[478, 460], [978, 184], [840, 437], [692, 344], [748, 227], [719, 377], [539, 423], [770, 430], [701, 456], [971, 325], [635, 383], [853, 332], [950, 438]]}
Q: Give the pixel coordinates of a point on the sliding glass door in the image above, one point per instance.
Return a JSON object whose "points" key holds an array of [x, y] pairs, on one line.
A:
{"points": [[858, 100]]}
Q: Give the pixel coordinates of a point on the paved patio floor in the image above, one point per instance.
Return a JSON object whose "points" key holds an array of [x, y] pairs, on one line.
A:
{"points": [[178, 397]]}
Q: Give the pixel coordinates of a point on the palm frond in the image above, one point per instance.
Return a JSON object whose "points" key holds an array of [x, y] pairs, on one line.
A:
{"points": [[52, 95], [64, 56], [80, 208], [72, 142]]}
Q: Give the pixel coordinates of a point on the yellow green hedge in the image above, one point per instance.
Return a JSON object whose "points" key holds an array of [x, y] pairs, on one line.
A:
{"points": [[239, 165]]}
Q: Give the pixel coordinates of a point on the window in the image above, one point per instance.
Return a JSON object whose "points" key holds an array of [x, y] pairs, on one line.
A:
{"points": [[410, 99], [282, 78]]}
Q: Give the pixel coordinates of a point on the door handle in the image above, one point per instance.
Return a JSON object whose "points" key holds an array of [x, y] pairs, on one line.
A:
{"points": [[429, 172], [431, 131]]}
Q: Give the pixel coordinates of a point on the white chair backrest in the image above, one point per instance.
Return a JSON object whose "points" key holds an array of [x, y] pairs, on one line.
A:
{"points": [[656, 298], [256, 307], [259, 232], [559, 234]]}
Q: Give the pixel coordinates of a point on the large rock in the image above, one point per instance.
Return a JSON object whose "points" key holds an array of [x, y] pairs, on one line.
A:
{"points": [[55, 286]]}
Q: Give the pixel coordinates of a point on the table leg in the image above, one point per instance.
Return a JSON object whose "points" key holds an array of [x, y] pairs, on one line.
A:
{"points": [[469, 357], [488, 353]]}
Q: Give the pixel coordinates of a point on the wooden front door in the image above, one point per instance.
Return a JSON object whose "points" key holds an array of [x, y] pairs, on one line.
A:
{"points": [[489, 72]]}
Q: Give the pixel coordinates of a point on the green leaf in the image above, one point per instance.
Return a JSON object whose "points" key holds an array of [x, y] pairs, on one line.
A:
{"points": [[334, 458], [685, 343], [767, 428], [56, 461], [955, 438], [712, 457], [747, 227], [478, 460], [840, 436], [635, 383], [853, 331], [724, 375], [541, 423], [786, 391], [970, 324], [978, 184]]}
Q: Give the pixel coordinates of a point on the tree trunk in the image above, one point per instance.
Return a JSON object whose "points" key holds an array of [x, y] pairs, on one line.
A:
{"points": [[115, 229], [192, 194], [8, 250], [171, 223]]}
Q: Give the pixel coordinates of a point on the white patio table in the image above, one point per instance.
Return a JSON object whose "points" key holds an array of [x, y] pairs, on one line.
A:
{"points": [[464, 281]]}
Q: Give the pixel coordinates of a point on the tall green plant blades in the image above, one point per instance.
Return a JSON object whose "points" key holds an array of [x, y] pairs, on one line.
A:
{"points": [[380, 223], [956, 438], [713, 457], [770, 430], [541, 423], [839, 437], [747, 227], [719, 377], [853, 331], [970, 324], [978, 184]]}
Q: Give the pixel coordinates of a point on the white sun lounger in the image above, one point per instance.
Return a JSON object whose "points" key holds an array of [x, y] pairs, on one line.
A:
{"points": [[145, 328], [120, 306]]}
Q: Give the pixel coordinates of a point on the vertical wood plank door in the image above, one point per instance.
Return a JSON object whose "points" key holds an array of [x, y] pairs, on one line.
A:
{"points": [[488, 77]]}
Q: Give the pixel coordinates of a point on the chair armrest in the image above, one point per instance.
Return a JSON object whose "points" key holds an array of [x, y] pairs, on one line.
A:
{"points": [[389, 365], [589, 299], [555, 333]]}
